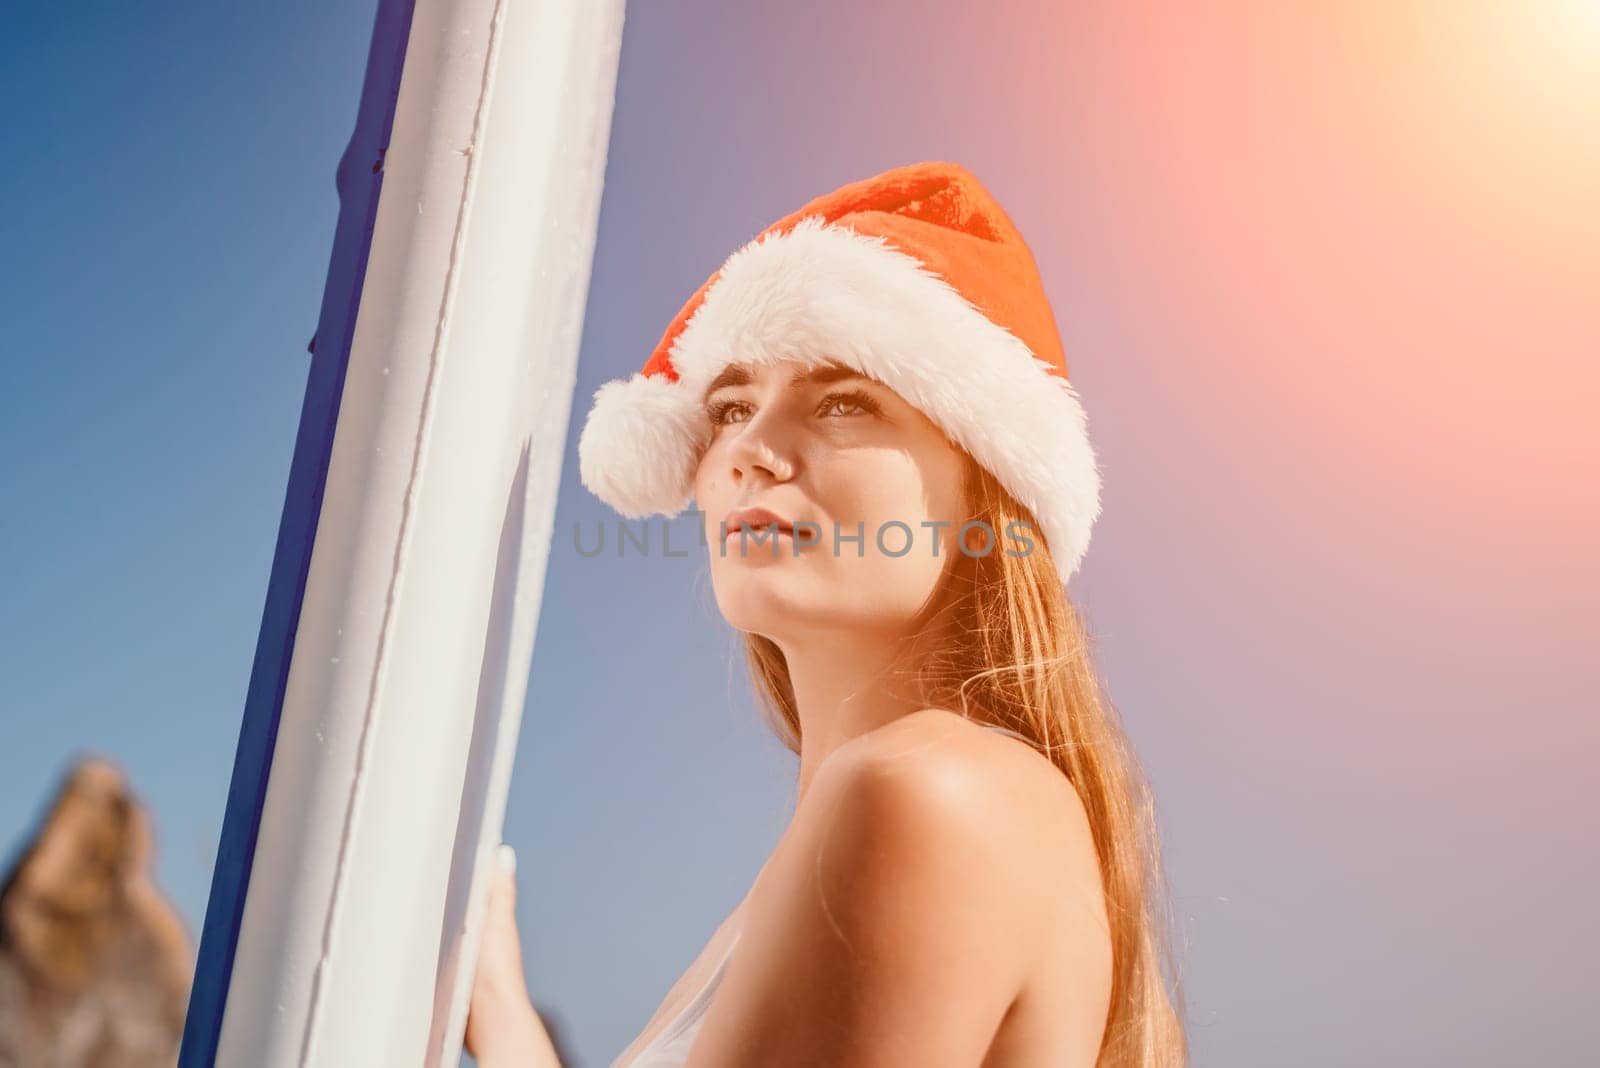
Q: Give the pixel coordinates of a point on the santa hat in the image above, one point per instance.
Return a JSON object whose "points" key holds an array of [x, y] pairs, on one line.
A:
{"points": [[914, 277]]}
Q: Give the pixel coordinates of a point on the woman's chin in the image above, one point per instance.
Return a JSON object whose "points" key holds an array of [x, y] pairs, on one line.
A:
{"points": [[767, 601]]}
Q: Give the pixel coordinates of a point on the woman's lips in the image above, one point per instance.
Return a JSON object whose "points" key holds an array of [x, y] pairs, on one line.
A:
{"points": [[763, 530], [757, 520]]}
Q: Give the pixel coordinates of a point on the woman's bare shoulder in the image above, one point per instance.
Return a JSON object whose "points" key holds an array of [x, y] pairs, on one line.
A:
{"points": [[917, 847], [935, 749], [934, 781], [943, 781]]}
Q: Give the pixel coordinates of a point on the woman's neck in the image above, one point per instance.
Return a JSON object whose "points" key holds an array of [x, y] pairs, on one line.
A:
{"points": [[844, 686], [848, 682]]}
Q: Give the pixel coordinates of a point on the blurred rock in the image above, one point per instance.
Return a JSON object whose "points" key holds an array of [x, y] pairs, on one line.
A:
{"points": [[95, 964]]}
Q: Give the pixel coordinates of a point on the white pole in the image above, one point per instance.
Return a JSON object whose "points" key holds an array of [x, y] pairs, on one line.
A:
{"points": [[407, 660]]}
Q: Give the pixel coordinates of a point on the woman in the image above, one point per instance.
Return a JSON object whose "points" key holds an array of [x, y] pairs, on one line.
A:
{"points": [[869, 404]]}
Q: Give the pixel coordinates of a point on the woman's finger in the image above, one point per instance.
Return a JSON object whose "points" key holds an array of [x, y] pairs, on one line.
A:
{"points": [[505, 876], [499, 990], [500, 917]]}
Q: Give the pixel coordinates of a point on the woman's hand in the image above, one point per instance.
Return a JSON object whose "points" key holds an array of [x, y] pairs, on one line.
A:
{"points": [[502, 1026]]}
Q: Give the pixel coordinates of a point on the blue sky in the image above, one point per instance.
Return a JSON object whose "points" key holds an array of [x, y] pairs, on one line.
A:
{"points": [[172, 171]]}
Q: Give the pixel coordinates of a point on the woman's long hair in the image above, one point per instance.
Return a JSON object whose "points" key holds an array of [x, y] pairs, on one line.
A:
{"points": [[1017, 655]]}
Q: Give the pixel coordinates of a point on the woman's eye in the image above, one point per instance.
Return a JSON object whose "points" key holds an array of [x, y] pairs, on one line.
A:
{"points": [[857, 400], [720, 411], [716, 411]]}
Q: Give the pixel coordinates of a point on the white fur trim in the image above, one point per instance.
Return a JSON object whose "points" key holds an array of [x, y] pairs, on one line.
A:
{"points": [[822, 293], [641, 444]]}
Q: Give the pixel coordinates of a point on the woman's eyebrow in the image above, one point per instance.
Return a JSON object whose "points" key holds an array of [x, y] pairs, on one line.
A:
{"points": [[824, 375], [735, 374], [738, 374]]}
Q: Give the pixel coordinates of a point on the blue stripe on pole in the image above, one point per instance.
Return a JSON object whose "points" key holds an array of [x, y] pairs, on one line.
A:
{"points": [[360, 178]]}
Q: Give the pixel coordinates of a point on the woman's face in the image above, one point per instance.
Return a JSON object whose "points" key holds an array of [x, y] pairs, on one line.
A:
{"points": [[858, 474]]}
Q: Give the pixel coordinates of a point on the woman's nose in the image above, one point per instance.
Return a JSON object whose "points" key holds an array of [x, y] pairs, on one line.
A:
{"points": [[757, 450]]}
